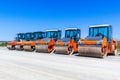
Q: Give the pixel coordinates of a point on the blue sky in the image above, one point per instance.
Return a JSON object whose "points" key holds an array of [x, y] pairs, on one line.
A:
{"points": [[39, 15]]}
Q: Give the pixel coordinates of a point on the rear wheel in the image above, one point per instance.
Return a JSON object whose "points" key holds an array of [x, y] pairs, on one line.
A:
{"points": [[21, 48], [13, 47], [33, 48]]}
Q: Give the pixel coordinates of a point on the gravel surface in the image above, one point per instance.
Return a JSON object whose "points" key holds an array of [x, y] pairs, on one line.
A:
{"points": [[20, 65]]}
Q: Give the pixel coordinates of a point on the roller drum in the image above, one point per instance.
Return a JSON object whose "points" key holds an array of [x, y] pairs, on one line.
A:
{"points": [[10, 47], [61, 49], [42, 48], [90, 51], [27, 48], [19, 48]]}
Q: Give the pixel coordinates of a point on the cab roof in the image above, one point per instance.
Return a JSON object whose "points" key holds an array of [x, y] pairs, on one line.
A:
{"points": [[72, 29], [39, 32], [52, 30], [103, 25], [29, 33], [20, 33]]}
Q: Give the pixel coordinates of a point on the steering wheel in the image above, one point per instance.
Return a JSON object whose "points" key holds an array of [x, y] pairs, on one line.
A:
{"points": [[100, 34]]}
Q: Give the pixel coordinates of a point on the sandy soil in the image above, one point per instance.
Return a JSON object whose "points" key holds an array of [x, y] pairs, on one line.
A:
{"points": [[20, 65]]}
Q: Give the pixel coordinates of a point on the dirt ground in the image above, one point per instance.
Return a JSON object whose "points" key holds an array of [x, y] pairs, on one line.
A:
{"points": [[20, 65]]}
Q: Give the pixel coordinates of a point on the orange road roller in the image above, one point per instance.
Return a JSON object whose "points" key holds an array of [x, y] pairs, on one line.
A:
{"points": [[28, 36], [99, 43], [11, 45], [30, 45], [68, 44], [46, 45]]}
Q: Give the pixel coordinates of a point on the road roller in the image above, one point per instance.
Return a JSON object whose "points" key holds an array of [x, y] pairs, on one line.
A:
{"points": [[46, 45], [68, 44], [30, 45], [19, 45], [11, 45], [99, 43]]}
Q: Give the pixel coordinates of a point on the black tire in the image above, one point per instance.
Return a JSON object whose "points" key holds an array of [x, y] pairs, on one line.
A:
{"points": [[13, 47], [32, 48], [21, 48]]}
